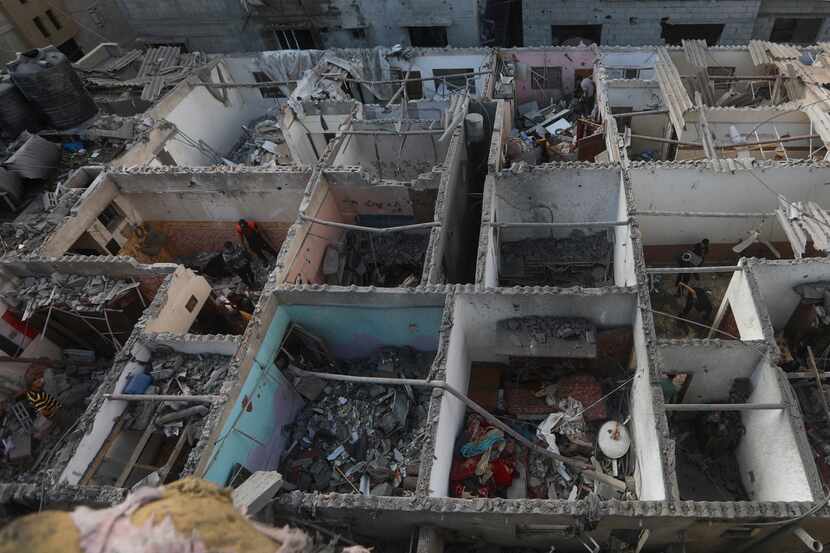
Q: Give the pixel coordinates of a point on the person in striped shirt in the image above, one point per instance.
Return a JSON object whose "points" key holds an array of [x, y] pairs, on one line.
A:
{"points": [[42, 402]]}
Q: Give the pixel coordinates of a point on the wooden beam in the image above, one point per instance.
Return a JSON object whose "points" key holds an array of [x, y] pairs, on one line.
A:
{"points": [[160, 397]]}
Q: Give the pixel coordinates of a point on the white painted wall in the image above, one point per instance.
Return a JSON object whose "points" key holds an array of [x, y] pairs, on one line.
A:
{"points": [[712, 367], [558, 195], [648, 474], [452, 412], [427, 63], [174, 316], [203, 117], [776, 280], [747, 318], [699, 189], [768, 456], [643, 60]]}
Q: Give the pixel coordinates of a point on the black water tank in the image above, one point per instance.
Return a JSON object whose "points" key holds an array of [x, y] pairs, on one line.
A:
{"points": [[47, 79], [16, 113]]}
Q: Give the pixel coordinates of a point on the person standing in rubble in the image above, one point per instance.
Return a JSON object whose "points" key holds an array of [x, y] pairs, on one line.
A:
{"points": [[698, 298], [588, 90], [693, 257], [251, 237], [238, 261]]}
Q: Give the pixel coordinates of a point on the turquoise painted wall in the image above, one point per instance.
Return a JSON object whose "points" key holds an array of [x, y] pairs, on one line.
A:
{"points": [[253, 433]]}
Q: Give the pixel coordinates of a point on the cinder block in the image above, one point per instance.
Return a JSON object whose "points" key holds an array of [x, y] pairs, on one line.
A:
{"points": [[257, 491]]}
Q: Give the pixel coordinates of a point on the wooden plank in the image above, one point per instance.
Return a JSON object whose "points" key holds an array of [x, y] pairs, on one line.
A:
{"points": [[102, 453], [174, 455]]}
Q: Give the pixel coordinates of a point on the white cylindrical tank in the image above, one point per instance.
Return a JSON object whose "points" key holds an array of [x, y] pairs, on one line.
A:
{"points": [[474, 126]]}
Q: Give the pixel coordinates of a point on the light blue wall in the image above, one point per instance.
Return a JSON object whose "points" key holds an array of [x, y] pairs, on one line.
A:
{"points": [[253, 433], [352, 332]]}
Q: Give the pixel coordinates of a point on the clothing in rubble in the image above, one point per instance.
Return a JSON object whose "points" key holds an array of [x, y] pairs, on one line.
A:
{"points": [[249, 235], [485, 461], [238, 261]]}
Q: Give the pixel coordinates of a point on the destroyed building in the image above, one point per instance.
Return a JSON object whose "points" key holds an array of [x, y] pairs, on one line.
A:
{"points": [[498, 314]]}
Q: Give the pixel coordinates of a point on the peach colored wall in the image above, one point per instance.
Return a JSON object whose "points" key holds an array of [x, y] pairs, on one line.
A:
{"points": [[305, 267]]}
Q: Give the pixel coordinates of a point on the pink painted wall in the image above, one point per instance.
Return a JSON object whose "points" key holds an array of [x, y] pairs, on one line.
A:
{"points": [[568, 60], [305, 268]]}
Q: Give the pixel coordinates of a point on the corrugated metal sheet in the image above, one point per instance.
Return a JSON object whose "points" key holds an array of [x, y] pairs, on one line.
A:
{"points": [[674, 92], [696, 52], [804, 222], [758, 52], [37, 158]]}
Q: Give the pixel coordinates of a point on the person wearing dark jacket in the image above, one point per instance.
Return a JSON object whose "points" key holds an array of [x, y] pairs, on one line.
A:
{"points": [[251, 237], [238, 261]]}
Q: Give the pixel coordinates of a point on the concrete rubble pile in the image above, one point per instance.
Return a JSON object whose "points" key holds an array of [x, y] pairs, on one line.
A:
{"points": [[77, 293], [174, 373], [262, 145], [357, 438], [395, 259], [38, 221], [578, 259]]}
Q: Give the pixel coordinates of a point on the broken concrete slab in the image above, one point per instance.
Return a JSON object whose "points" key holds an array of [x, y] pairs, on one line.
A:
{"points": [[257, 491]]}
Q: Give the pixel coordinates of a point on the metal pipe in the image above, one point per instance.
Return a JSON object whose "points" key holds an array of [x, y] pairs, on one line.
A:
{"points": [[563, 225], [635, 113], [264, 84], [160, 397], [666, 140], [385, 133], [812, 543], [723, 406], [703, 214], [692, 270], [582, 467], [369, 229]]}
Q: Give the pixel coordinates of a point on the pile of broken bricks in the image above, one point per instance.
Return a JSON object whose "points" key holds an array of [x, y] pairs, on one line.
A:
{"points": [[359, 438]]}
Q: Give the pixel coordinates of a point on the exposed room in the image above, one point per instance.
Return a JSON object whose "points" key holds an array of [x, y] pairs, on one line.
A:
{"points": [[680, 229], [538, 231], [394, 150], [762, 134], [553, 373], [728, 409], [356, 232], [638, 105], [65, 322], [793, 294], [186, 217], [132, 435], [327, 412]]}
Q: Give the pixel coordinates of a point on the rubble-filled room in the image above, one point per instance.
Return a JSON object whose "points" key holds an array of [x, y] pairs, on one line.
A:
{"points": [[138, 435], [356, 232], [62, 326], [313, 418], [680, 229], [553, 375], [228, 226], [553, 95], [529, 237], [727, 407], [794, 297]]}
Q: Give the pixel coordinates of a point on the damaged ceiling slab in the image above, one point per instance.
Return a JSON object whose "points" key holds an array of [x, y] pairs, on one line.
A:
{"points": [[437, 299]]}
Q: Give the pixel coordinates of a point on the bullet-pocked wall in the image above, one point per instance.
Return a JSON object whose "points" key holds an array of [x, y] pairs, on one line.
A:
{"points": [[351, 326], [172, 214]]}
